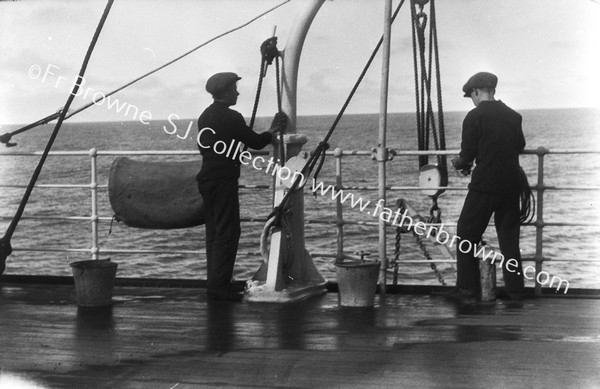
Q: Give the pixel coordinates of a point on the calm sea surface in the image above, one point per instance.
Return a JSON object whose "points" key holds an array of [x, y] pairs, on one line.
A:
{"points": [[553, 129]]}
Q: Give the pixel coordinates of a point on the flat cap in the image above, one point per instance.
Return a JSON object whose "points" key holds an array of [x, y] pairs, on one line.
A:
{"points": [[480, 80], [220, 81]]}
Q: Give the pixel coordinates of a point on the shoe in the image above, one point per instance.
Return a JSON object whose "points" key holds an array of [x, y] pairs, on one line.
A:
{"points": [[228, 294], [462, 296], [236, 287], [509, 296]]}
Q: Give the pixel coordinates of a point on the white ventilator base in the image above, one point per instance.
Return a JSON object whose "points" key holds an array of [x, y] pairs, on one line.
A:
{"points": [[258, 292]]}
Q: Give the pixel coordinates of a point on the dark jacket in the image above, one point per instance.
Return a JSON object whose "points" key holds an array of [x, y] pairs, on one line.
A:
{"points": [[493, 137], [228, 125]]}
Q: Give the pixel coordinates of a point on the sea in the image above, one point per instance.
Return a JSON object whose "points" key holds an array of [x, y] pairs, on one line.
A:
{"points": [[573, 251]]}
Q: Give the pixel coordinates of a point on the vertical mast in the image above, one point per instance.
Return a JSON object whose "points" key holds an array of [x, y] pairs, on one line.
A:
{"points": [[382, 154]]}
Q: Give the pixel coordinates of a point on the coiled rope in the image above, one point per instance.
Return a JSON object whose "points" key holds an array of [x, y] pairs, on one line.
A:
{"points": [[5, 246], [5, 138], [527, 200]]}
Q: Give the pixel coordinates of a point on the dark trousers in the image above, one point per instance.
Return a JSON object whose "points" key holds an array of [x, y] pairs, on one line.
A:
{"points": [[222, 222], [473, 220]]}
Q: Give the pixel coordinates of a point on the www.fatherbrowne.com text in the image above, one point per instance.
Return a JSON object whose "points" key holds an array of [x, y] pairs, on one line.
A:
{"points": [[394, 218]]}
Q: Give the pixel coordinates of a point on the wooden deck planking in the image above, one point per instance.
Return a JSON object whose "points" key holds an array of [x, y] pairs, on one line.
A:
{"points": [[161, 337]]}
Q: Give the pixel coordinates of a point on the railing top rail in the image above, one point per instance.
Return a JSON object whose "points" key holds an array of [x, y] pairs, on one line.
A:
{"points": [[77, 153], [538, 151]]}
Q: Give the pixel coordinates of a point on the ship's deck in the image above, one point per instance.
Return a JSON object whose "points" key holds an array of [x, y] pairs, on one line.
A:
{"points": [[173, 338]]}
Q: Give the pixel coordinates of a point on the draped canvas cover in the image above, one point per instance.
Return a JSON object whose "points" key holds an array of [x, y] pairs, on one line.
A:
{"points": [[159, 195]]}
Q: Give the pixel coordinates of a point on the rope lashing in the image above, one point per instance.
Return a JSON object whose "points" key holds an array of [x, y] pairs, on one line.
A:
{"points": [[268, 51], [7, 137], [5, 246]]}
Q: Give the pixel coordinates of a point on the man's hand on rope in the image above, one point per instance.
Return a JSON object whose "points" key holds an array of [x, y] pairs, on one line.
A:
{"points": [[279, 123], [463, 167], [268, 50]]}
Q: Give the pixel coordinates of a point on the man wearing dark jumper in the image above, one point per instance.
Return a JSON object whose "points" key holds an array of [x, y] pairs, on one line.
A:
{"points": [[218, 180], [493, 137]]}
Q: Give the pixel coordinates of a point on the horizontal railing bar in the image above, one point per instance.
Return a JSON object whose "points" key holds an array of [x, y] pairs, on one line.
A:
{"points": [[539, 151], [51, 250], [50, 186], [84, 153], [77, 218], [258, 186], [552, 187], [105, 186], [307, 221], [525, 258]]}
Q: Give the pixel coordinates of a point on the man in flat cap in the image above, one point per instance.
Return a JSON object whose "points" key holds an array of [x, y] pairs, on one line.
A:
{"points": [[218, 179], [493, 137]]}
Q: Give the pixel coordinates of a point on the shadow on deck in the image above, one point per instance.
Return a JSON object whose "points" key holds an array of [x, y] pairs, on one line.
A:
{"points": [[175, 338]]}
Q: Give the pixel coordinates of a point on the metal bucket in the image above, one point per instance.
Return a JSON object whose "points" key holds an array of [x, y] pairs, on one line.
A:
{"points": [[94, 282], [357, 283]]}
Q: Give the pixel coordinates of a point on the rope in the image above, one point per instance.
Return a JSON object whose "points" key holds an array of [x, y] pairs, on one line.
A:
{"points": [[527, 200], [269, 52], [7, 137], [5, 247], [426, 122], [420, 131], [423, 66], [261, 75], [96, 101], [279, 109], [441, 158]]}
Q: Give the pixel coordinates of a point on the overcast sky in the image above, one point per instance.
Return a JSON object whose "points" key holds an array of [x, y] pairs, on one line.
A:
{"points": [[545, 53]]}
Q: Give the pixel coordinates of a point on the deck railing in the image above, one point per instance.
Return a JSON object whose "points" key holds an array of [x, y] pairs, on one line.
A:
{"points": [[540, 188]]}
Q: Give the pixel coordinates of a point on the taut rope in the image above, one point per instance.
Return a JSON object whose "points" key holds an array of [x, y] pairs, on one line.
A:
{"points": [[7, 137], [269, 52], [5, 247], [319, 154]]}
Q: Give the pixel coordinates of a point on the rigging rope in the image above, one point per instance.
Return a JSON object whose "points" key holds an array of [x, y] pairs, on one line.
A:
{"points": [[269, 52], [426, 123], [319, 154], [7, 137], [5, 246], [423, 65]]}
